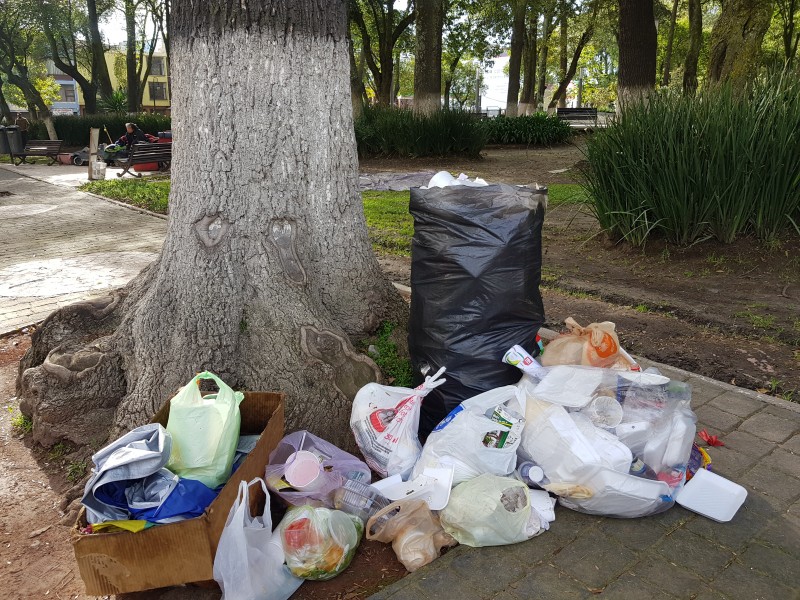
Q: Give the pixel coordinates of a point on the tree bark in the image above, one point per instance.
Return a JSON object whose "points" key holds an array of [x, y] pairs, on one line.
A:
{"points": [[670, 40], [527, 104], [448, 81], [130, 57], [5, 109], [563, 41], [266, 269], [638, 43], [787, 10], [544, 50], [357, 91], [515, 62], [428, 56], [736, 40], [695, 42], [561, 90], [99, 66]]}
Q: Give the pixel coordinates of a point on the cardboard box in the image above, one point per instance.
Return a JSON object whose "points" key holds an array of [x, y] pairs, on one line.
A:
{"points": [[183, 552]]}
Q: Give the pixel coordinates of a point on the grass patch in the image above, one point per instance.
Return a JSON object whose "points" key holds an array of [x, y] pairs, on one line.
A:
{"points": [[389, 223], [57, 452], [152, 195], [20, 423], [396, 368], [76, 470], [641, 308], [756, 320]]}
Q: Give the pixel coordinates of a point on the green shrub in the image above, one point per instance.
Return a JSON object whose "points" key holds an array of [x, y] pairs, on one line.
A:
{"points": [[384, 131], [539, 129], [147, 193], [75, 130], [722, 165]]}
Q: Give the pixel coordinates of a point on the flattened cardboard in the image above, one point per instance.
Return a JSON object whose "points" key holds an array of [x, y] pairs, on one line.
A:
{"points": [[183, 552]]}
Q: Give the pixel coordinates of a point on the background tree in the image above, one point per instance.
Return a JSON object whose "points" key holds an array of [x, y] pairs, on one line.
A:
{"points": [[518, 11], [527, 104], [695, 42], [788, 14], [266, 272], [428, 55], [65, 25], [638, 43], [592, 9], [564, 12], [548, 26], [5, 109], [736, 40], [22, 61], [667, 65], [379, 25], [100, 75]]}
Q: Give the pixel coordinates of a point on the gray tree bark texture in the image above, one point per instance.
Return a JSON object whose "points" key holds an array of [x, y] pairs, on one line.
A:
{"points": [[266, 271], [695, 42], [428, 56], [638, 43], [563, 59], [736, 40], [515, 62], [527, 104]]}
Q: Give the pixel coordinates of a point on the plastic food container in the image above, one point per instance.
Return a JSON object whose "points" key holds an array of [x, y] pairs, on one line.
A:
{"points": [[359, 499], [303, 471]]}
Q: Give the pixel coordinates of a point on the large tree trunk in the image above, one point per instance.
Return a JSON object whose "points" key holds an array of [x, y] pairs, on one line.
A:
{"points": [[638, 44], [515, 62], [428, 56], [563, 59], [266, 270], [130, 57], [99, 66], [695, 42], [670, 39], [527, 103], [736, 40]]}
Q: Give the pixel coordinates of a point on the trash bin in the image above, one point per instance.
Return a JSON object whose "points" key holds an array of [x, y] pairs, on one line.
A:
{"points": [[14, 137], [4, 149]]}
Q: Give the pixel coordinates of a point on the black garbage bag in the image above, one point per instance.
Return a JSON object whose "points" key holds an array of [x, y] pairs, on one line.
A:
{"points": [[476, 262]]}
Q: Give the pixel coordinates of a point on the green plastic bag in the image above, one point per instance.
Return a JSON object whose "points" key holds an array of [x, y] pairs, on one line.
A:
{"points": [[205, 431]]}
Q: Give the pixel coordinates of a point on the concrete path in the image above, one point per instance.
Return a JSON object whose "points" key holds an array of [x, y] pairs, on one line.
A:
{"points": [[63, 175], [678, 554], [60, 246]]}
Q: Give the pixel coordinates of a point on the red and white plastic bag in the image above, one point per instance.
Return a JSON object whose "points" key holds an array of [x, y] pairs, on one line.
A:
{"points": [[385, 421]]}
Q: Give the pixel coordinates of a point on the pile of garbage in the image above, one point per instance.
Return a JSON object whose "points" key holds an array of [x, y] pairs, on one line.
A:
{"points": [[479, 457]]}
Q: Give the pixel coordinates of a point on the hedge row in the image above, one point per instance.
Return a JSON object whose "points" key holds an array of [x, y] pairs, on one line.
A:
{"points": [[75, 130]]}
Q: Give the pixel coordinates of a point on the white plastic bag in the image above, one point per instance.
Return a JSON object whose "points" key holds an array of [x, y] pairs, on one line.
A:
{"points": [[458, 441], [385, 421], [205, 431], [249, 560], [491, 511]]}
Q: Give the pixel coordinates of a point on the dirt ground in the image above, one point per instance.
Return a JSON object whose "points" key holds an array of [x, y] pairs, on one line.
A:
{"points": [[508, 164]]}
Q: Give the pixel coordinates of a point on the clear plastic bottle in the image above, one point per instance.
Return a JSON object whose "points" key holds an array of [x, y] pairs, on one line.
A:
{"points": [[531, 475]]}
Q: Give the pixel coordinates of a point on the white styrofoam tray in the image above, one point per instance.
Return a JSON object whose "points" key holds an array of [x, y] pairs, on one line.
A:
{"points": [[712, 496]]}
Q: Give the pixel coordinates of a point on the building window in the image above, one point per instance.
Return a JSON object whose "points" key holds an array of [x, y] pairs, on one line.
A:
{"points": [[67, 93], [158, 91], [157, 66]]}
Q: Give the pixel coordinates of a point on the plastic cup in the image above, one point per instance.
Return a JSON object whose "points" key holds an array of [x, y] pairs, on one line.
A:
{"points": [[303, 471], [605, 411]]}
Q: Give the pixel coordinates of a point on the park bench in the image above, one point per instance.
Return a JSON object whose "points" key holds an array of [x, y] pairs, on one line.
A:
{"points": [[142, 154], [577, 114], [47, 148]]}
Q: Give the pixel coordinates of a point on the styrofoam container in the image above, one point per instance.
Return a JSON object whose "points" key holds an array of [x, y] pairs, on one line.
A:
{"points": [[433, 486], [712, 496], [569, 386]]}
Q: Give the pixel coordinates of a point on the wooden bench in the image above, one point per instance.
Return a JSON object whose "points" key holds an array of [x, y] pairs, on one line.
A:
{"points": [[142, 154], [577, 114], [47, 148]]}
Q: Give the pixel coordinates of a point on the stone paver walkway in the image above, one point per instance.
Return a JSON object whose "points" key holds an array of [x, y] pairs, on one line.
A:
{"points": [[63, 175], [59, 246], [677, 554]]}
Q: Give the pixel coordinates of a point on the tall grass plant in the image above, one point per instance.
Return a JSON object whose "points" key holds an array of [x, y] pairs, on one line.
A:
{"points": [[723, 164]]}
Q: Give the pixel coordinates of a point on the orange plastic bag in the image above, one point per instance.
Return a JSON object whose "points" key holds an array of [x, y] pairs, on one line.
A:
{"points": [[414, 531], [596, 345]]}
